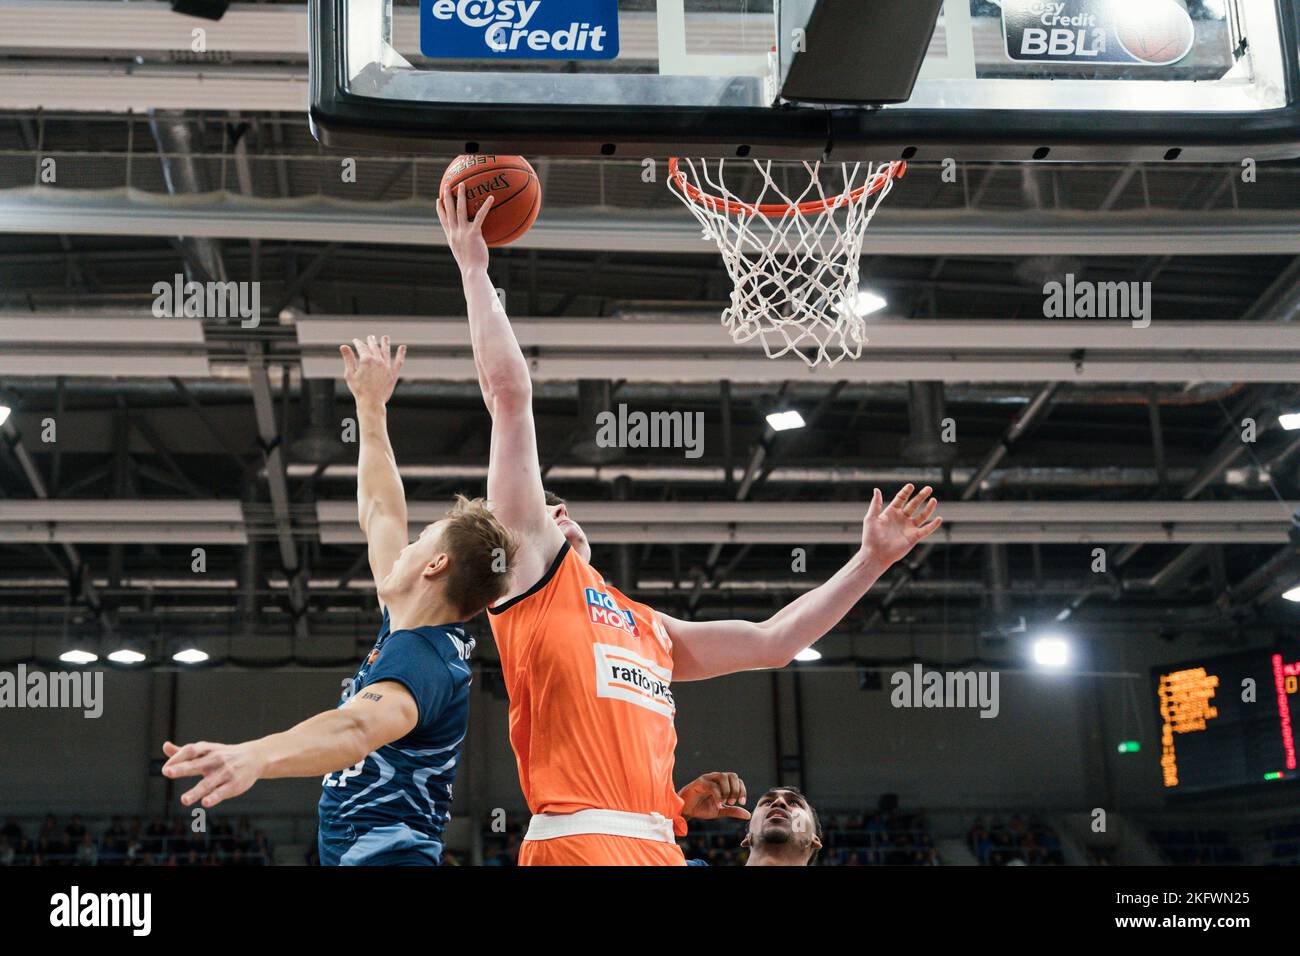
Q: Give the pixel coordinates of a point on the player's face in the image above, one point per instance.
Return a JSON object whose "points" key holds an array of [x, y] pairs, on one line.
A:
{"points": [[414, 560], [781, 816], [571, 530]]}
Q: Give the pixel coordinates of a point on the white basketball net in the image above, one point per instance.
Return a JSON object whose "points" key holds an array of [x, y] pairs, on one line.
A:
{"points": [[794, 251]]}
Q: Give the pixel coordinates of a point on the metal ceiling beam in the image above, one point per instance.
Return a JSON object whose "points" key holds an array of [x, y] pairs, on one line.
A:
{"points": [[638, 348], [841, 522], [897, 232], [65, 522], [127, 346], [222, 522]]}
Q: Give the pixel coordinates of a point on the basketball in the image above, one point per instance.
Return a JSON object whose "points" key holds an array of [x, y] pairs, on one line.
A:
{"points": [[511, 179], [1158, 32]]}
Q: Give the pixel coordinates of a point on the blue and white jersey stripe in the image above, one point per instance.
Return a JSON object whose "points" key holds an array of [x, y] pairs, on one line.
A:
{"points": [[405, 786]]}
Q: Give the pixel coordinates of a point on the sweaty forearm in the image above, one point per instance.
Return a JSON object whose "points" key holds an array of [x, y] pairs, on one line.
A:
{"points": [[501, 364], [322, 744], [379, 483]]}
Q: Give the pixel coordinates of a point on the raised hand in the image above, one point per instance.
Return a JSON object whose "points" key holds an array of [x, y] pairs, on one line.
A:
{"points": [[464, 235], [372, 371], [889, 534]]}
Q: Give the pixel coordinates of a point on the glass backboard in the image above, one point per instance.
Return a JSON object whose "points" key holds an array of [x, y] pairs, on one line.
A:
{"points": [[1054, 80]]}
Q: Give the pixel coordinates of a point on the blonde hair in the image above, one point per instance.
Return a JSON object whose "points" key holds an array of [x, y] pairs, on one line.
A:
{"points": [[482, 553]]}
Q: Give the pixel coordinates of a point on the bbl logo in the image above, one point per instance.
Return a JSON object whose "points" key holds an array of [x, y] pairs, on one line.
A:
{"points": [[1148, 33]]}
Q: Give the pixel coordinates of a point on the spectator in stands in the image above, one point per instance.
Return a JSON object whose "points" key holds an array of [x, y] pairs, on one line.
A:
{"points": [[87, 854], [7, 853], [784, 830], [157, 836]]}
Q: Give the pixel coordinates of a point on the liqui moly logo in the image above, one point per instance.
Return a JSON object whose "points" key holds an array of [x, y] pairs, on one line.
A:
{"points": [[603, 609]]}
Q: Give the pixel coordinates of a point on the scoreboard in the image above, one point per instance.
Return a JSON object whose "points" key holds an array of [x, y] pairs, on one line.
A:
{"points": [[1228, 721]]}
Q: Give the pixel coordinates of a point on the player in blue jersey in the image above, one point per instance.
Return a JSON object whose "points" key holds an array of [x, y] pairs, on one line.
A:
{"points": [[389, 751]]}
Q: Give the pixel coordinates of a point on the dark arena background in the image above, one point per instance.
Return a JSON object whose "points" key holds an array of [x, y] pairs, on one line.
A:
{"points": [[1092, 665]]}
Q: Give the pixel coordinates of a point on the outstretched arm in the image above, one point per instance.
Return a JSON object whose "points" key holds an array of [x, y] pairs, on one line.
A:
{"points": [[372, 373], [514, 473], [703, 649], [385, 711]]}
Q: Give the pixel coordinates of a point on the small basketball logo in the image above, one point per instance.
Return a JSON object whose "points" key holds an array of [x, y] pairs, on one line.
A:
{"points": [[1157, 32]]}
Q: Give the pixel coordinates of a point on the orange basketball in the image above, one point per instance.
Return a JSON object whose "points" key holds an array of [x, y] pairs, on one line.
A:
{"points": [[1157, 32], [511, 179]]}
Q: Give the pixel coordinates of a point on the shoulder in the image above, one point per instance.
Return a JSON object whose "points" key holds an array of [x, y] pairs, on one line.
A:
{"points": [[450, 643], [548, 578]]}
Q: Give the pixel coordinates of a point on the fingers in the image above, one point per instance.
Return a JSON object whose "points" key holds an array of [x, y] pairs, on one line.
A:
{"points": [[169, 748], [900, 499], [462, 216], [183, 758], [203, 788], [929, 529], [727, 787], [483, 211], [733, 788], [877, 504], [223, 792], [928, 513], [739, 813], [910, 509], [349, 367], [401, 360]]}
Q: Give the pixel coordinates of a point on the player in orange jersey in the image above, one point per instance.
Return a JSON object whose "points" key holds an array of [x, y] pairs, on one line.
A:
{"points": [[589, 671]]}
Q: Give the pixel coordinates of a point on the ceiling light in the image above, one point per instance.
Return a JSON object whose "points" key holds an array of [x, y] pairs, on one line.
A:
{"points": [[1051, 651], [785, 421]]}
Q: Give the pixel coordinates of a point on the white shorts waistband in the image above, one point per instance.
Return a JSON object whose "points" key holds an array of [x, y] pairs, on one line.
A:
{"points": [[638, 826]]}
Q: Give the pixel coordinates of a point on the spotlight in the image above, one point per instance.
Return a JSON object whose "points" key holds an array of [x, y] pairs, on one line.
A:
{"points": [[190, 655], [786, 420], [808, 654], [126, 655], [78, 655], [1288, 420], [864, 304], [1051, 651], [4, 413], [869, 303], [1293, 594]]}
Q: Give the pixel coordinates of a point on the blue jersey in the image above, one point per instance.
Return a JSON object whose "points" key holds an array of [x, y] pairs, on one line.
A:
{"points": [[393, 805]]}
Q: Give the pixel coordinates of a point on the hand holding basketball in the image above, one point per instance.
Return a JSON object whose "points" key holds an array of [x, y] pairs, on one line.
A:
{"points": [[889, 534], [464, 235]]}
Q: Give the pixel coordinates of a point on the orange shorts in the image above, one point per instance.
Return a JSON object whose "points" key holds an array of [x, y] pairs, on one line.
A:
{"points": [[599, 849]]}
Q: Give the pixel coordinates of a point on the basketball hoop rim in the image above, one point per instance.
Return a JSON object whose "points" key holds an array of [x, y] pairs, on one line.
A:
{"points": [[717, 204]]}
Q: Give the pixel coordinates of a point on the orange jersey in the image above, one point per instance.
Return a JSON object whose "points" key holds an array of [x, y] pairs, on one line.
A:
{"points": [[589, 674]]}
